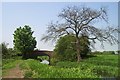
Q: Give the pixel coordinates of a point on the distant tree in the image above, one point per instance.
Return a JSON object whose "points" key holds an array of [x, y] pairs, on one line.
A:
{"points": [[7, 53], [108, 52], [118, 51], [96, 52], [12, 52], [4, 50], [24, 42], [66, 47], [79, 20]]}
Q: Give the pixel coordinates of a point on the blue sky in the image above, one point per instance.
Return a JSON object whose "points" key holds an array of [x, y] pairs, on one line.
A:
{"points": [[38, 15], [59, 0]]}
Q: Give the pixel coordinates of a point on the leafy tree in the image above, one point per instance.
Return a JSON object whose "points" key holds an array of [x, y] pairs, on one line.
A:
{"points": [[7, 53], [24, 42], [4, 50], [12, 53], [78, 21], [66, 48]]}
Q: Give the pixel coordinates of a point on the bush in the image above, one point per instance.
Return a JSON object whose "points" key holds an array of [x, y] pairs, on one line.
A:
{"points": [[66, 48], [53, 61]]}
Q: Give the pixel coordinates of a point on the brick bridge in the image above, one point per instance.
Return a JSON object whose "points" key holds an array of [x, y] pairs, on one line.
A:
{"points": [[37, 53]]}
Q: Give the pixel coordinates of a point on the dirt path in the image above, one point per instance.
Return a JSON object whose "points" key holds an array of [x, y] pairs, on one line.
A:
{"points": [[14, 73]]}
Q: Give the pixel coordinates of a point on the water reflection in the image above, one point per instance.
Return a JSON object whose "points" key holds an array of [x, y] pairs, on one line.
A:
{"points": [[45, 62]]}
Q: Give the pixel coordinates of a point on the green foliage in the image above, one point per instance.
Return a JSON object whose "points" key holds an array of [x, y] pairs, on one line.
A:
{"points": [[8, 53], [107, 67], [53, 60], [96, 52], [99, 66], [84, 46], [8, 64], [93, 67], [11, 51], [118, 51], [108, 52], [46, 71], [13, 54], [5, 53], [24, 42], [104, 52], [66, 48], [28, 74]]}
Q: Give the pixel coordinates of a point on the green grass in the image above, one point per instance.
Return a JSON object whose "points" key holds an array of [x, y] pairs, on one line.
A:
{"points": [[93, 67], [39, 70], [8, 64], [101, 65]]}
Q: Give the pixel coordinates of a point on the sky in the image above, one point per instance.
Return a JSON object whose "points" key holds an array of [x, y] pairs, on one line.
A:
{"points": [[59, 0], [39, 14]]}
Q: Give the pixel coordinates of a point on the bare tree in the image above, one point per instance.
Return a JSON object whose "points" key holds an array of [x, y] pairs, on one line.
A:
{"points": [[79, 21]]}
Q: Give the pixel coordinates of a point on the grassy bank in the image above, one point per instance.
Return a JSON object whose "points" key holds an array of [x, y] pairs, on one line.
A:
{"points": [[94, 67]]}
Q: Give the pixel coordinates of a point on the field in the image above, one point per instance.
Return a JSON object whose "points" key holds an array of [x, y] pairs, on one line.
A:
{"points": [[99, 66]]}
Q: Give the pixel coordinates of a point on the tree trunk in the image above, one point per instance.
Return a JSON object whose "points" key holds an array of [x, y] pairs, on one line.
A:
{"points": [[23, 55], [78, 50]]}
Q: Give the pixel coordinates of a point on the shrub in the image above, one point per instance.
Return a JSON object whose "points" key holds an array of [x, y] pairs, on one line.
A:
{"points": [[66, 48]]}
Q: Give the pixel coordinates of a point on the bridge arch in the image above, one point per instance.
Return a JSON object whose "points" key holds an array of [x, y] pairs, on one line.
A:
{"points": [[37, 53]]}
